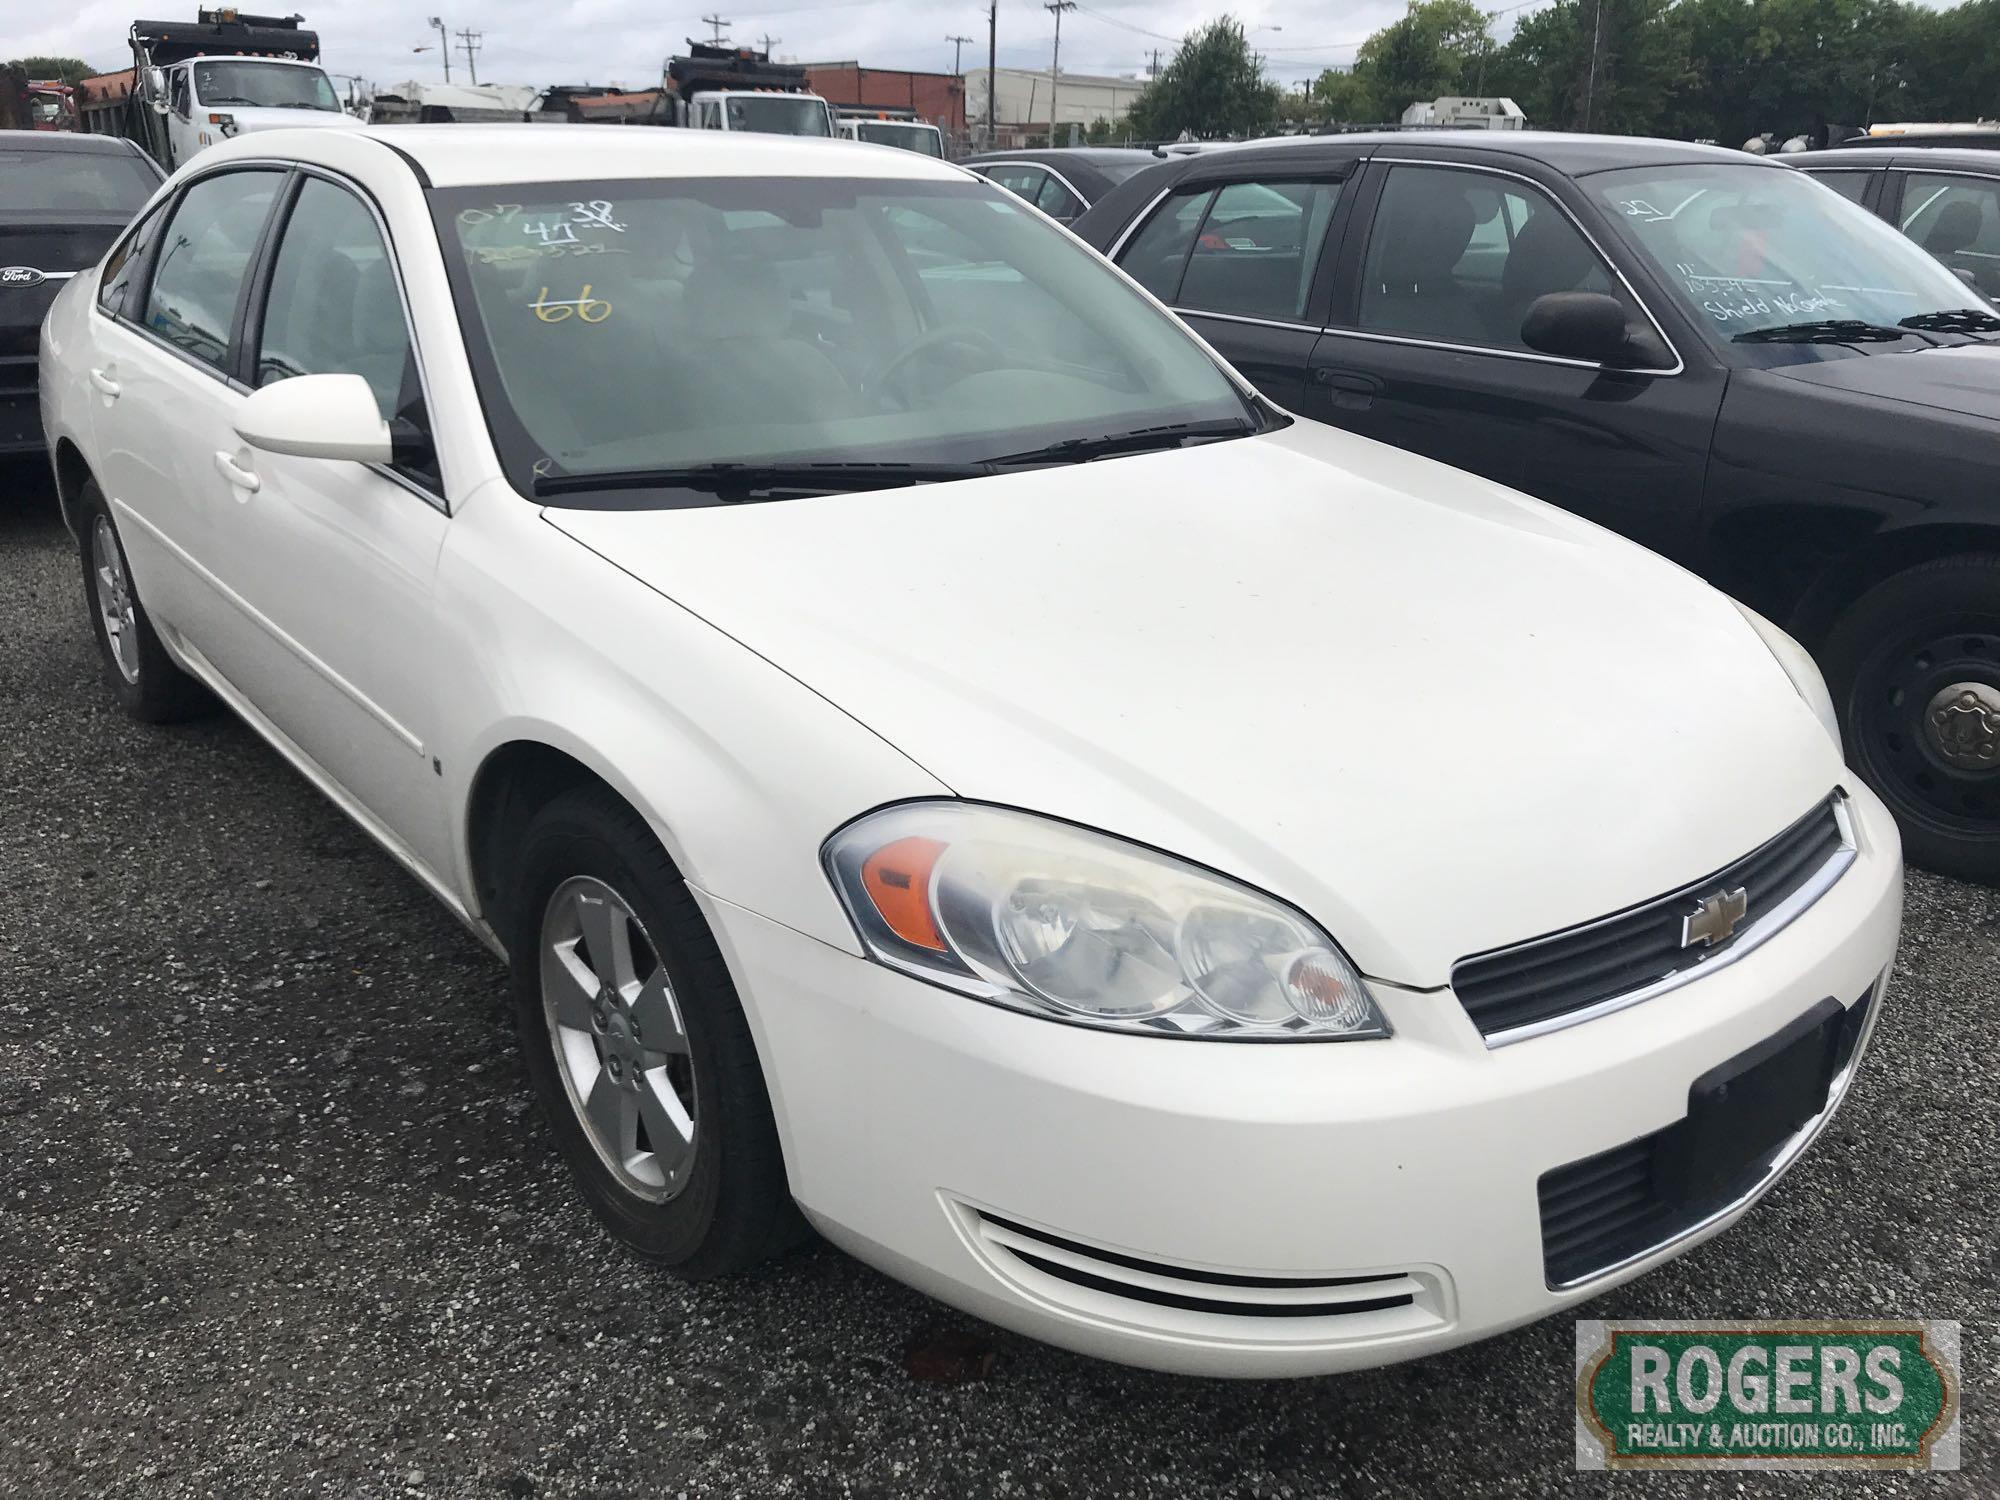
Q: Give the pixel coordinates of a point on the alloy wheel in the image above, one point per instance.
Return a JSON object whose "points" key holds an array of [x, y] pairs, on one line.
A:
{"points": [[619, 1040], [114, 599]]}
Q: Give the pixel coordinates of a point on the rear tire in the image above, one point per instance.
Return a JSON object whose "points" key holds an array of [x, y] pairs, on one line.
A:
{"points": [[637, 1046], [148, 683], [1914, 669]]}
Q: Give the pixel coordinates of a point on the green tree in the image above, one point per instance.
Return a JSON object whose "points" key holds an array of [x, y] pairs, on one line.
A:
{"points": [[1214, 89], [1343, 98], [1434, 49], [62, 69]]}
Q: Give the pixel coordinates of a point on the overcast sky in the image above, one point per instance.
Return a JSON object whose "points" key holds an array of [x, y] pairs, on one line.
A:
{"points": [[624, 41]]}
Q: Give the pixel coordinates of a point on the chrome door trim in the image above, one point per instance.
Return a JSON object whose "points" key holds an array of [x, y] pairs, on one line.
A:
{"points": [[1202, 312]]}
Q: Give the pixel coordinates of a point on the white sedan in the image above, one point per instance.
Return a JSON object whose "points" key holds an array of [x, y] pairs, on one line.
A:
{"points": [[940, 753]]}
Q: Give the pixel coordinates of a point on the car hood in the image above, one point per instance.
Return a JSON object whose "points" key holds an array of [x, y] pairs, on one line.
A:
{"points": [[1437, 715], [1960, 377], [248, 117]]}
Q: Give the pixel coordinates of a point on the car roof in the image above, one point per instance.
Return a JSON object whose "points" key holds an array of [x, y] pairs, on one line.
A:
{"points": [[1572, 155], [66, 140], [476, 155], [1092, 156], [1966, 158]]}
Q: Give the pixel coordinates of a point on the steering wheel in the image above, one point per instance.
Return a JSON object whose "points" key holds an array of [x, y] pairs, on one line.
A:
{"points": [[952, 335]]}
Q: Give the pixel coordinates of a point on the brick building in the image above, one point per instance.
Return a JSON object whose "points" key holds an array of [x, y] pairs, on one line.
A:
{"points": [[935, 98]]}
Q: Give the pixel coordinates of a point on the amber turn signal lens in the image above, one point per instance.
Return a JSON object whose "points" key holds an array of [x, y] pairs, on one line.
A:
{"points": [[897, 878]]}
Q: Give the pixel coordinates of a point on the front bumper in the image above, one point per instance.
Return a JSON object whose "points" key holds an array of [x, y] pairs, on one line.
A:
{"points": [[20, 406], [1361, 1202]]}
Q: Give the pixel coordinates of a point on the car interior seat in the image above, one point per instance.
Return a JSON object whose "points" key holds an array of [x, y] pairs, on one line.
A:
{"points": [[1411, 287]]}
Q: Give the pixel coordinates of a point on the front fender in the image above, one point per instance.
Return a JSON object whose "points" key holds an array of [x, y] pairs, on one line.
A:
{"points": [[741, 770]]}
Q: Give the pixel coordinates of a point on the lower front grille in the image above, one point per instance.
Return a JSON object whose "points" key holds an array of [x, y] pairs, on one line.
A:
{"points": [[1608, 1209], [1104, 1282], [19, 375], [1530, 987]]}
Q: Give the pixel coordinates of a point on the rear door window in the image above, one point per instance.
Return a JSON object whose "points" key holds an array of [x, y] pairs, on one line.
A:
{"points": [[1057, 201], [122, 266], [204, 257], [1156, 256], [1850, 185], [1257, 248]]}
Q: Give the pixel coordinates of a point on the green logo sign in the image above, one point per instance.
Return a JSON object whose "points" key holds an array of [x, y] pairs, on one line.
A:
{"points": [[1769, 1395]]}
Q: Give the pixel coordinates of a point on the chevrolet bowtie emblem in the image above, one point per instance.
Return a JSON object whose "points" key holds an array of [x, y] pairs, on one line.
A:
{"points": [[1715, 919]]}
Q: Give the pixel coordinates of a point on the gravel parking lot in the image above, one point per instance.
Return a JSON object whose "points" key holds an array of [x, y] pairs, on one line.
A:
{"points": [[277, 1218]]}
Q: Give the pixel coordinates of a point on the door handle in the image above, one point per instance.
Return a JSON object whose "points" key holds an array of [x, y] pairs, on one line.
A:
{"points": [[1351, 390], [236, 474], [106, 386]]}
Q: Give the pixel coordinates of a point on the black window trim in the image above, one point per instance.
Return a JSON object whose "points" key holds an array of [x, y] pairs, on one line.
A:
{"points": [[169, 206], [1343, 173], [258, 289], [1679, 365], [257, 283]]}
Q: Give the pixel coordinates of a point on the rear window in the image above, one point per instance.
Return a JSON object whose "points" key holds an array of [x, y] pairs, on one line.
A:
{"points": [[71, 181]]}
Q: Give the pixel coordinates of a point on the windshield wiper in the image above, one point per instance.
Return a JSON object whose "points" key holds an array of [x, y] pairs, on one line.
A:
{"points": [[1827, 331], [1955, 320], [1139, 440], [745, 480], [231, 99]]}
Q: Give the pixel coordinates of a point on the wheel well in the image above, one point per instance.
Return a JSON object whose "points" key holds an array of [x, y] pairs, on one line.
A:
{"points": [[1856, 571], [515, 782], [72, 471]]}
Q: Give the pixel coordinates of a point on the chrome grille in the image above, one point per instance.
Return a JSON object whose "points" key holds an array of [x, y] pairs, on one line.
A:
{"points": [[1527, 988]]}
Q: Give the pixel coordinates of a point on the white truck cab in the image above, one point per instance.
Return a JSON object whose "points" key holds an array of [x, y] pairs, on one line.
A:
{"points": [[763, 111], [209, 99], [911, 135]]}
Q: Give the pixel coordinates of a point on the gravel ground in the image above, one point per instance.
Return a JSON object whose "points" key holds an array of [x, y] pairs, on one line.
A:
{"points": [[276, 1217]]}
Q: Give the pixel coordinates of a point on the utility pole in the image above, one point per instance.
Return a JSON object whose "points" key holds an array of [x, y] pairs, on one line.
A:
{"points": [[718, 23], [767, 42], [1055, 63], [470, 41], [992, 70], [437, 25], [1153, 68], [957, 48]]}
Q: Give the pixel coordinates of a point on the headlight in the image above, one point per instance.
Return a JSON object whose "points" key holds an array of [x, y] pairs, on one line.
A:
{"points": [[1058, 921], [1801, 668]]}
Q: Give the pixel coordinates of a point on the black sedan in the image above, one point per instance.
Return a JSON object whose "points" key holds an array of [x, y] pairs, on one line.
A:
{"points": [[1707, 351], [63, 198], [1946, 199], [1065, 181]]}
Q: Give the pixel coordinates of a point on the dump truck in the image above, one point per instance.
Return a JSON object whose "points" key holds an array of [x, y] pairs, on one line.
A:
{"points": [[225, 74], [739, 88]]}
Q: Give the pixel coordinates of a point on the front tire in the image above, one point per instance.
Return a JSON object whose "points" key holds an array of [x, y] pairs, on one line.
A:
{"points": [[1914, 668], [148, 683], [637, 1046]]}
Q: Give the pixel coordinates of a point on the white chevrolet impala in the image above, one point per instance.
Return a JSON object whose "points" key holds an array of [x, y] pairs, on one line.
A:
{"points": [[941, 754]]}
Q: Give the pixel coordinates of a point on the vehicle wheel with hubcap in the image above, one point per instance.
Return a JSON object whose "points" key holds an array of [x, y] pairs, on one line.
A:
{"points": [[1914, 668], [638, 1047], [149, 685]]}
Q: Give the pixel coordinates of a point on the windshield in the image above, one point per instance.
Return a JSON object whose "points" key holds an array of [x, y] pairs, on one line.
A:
{"points": [[265, 85], [60, 181], [778, 114], [922, 138], [1751, 250], [665, 324], [1118, 171]]}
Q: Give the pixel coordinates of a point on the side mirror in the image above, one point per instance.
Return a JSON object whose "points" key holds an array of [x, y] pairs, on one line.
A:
{"points": [[156, 85], [1576, 325], [317, 416]]}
